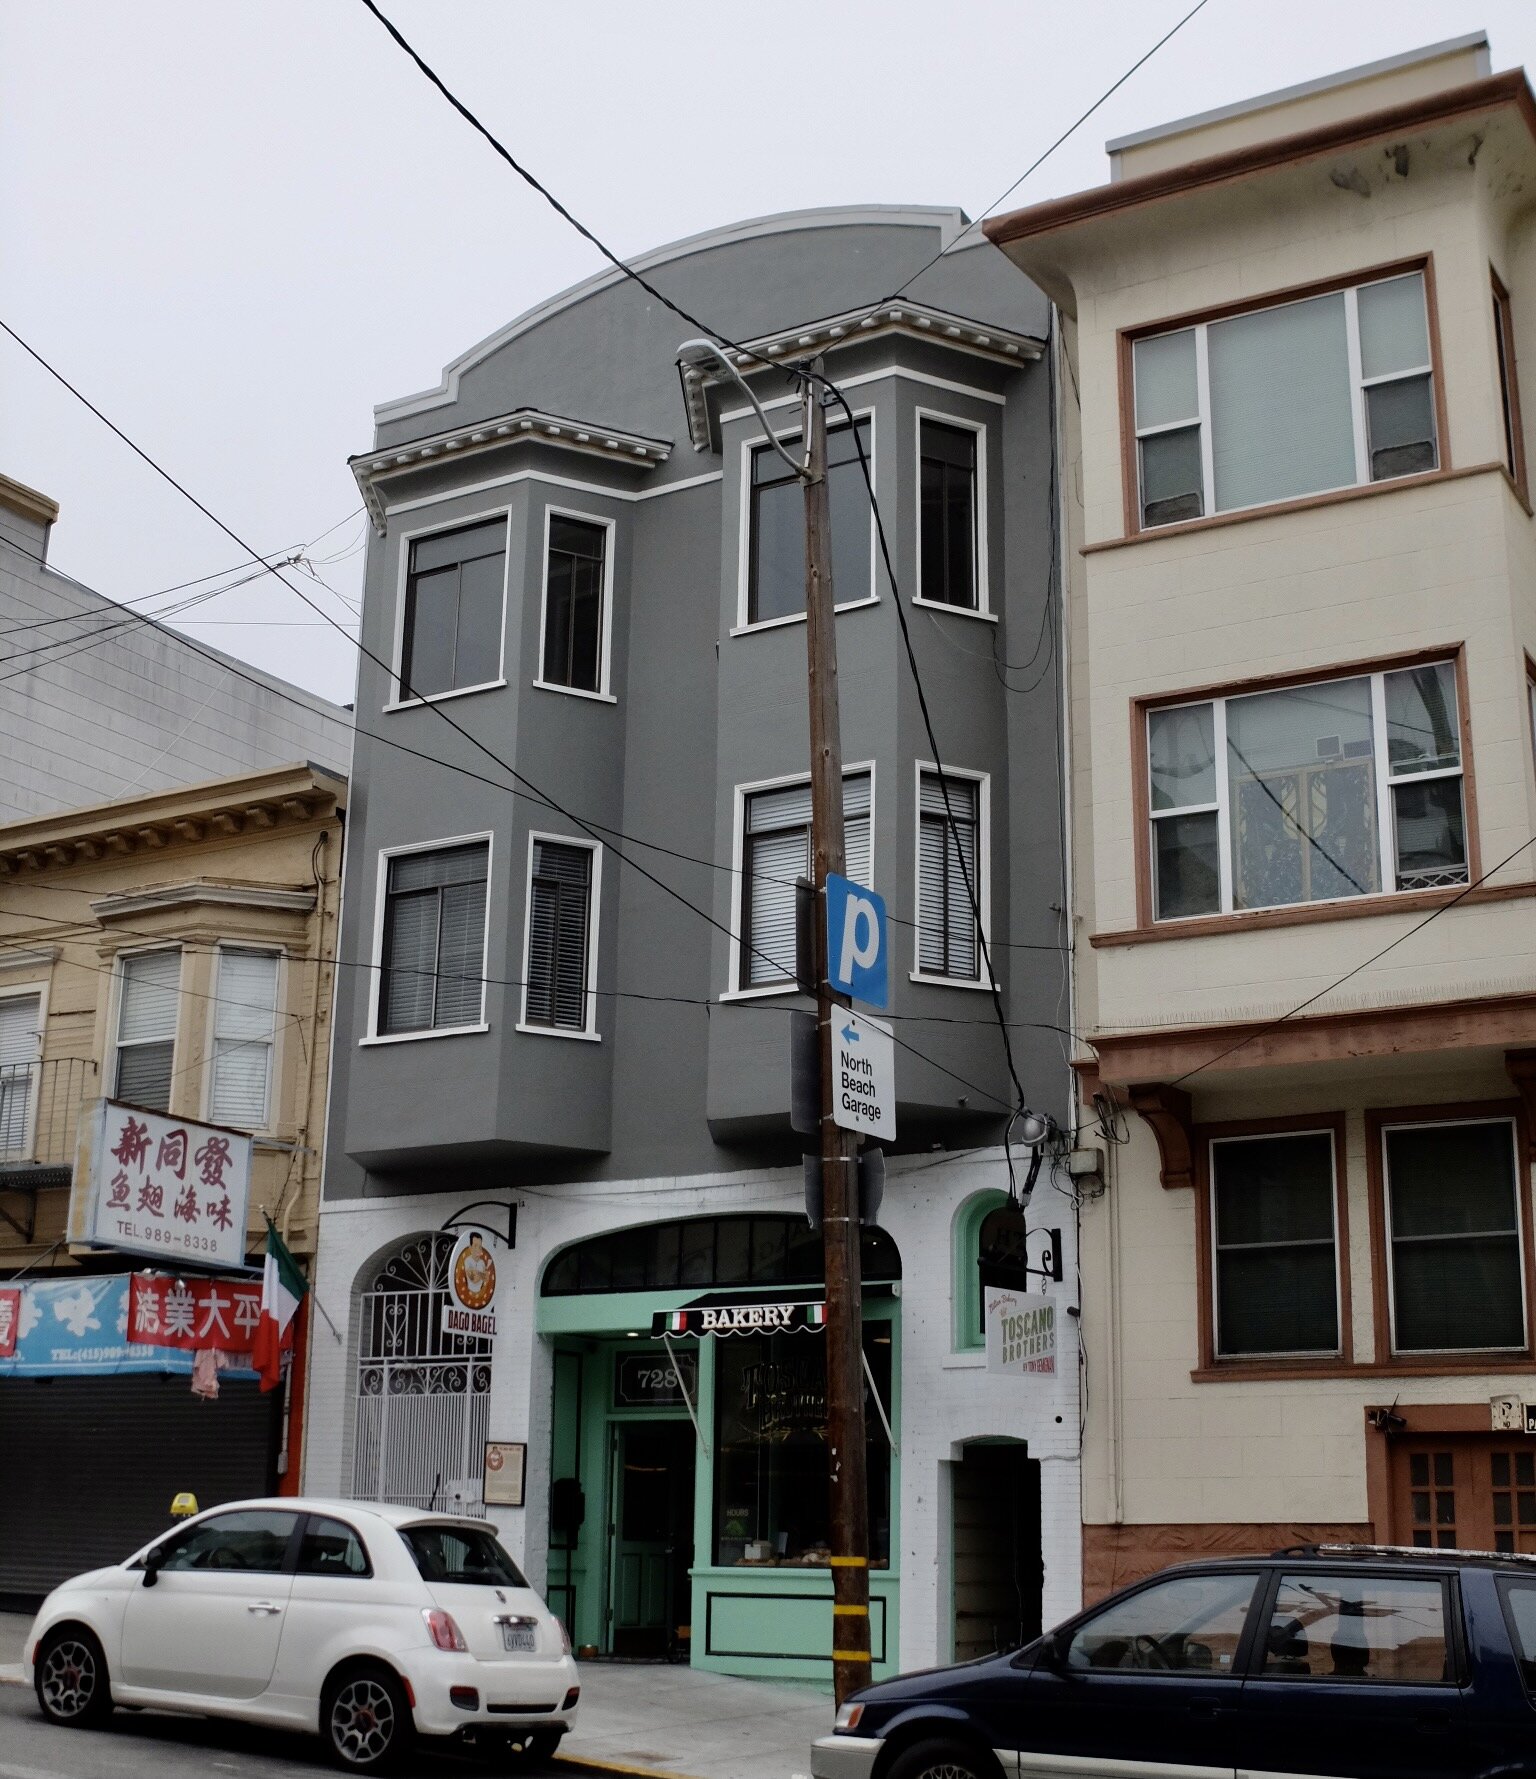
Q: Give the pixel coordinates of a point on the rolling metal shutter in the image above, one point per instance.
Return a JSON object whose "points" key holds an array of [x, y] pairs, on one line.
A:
{"points": [[90, 1465]]}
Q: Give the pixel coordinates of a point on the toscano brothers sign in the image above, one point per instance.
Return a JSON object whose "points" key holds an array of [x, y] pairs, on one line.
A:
{"points": [[1021, 1332]]}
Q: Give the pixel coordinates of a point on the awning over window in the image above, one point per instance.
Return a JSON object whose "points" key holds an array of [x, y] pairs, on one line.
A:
{"points": [[801, 1310]]}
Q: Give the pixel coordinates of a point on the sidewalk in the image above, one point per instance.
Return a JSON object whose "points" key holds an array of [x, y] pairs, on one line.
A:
{"points": [[650, 1718]]}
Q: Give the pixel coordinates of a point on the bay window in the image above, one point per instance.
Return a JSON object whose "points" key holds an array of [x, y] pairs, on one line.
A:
{"points": [[148, 1000], [244, 1031], [433, 948], [1330, 392], [776, 527], [558, 958], [776, 849], [1345, 787]]}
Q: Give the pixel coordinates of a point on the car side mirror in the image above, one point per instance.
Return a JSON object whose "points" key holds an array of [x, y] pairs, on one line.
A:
{"points": [[1054, 1650], [152, 1568]]}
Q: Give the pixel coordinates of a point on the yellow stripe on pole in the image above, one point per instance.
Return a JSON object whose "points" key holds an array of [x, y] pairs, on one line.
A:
{"points": [[851, 1655], [849, 1562], [850, 1612]]}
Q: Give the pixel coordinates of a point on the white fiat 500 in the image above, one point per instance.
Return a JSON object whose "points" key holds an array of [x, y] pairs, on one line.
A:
{"points": [[369, 1623]]}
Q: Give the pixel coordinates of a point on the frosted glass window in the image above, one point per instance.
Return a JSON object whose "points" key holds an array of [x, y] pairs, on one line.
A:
{"points": [[1281, 424], [1166, 388], [1394, 332]]}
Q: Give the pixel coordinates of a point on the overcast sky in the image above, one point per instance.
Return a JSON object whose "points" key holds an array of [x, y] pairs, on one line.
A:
{"points": [[238, 224]]}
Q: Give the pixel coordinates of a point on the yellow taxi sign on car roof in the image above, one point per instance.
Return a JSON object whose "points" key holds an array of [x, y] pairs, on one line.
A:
{"points": [[183, 1505]]}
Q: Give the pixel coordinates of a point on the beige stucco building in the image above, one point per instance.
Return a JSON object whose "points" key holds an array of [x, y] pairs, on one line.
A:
{"points": [[1301, 584]]}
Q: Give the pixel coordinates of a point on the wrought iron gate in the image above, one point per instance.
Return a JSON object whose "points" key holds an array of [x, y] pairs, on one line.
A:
{"points": [[423, 1397]]}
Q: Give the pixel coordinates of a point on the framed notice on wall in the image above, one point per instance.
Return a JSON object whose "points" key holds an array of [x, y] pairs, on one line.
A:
{"points": [[505, 1465]]}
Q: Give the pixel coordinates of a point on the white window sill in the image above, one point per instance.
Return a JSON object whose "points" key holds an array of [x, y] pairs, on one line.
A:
{"points": [[490, 685], [437, 1031], [949, 981], [956, 611], [853, 605], [544, 685], [758, 994], [964, 1362], [557, 1031]]}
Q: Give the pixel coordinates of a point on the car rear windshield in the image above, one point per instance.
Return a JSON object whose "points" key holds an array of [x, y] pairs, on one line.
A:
{"points": [[461, 1554]]}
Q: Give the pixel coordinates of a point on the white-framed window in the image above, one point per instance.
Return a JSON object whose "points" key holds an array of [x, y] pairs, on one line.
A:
{"points": [[576, 616], [560, 942], [432, 930], [951, 513], [953, 867], [21, 1048], [773, 849], [772, 569], [144, 1049], [453, 594], [1332, 391], [1340, 788], [244, 1037], [1274, 1245], [1454, 1216]]}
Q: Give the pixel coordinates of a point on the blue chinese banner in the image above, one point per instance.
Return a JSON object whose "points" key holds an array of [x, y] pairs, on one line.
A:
{"points": [[77, 1326]]}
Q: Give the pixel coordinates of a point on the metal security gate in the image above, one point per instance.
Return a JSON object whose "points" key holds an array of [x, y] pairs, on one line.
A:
{"points": [[423, 1397]]}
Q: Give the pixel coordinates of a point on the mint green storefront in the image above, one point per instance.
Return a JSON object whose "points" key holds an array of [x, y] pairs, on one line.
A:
{"points": [[689, 1473]]}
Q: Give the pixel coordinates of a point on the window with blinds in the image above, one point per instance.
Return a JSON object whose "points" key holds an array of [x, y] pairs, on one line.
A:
{"points": [[559, 941], [244, 1027], [433, 969], [948, 876], [20, 1025], [776, 850], [149, 996]]}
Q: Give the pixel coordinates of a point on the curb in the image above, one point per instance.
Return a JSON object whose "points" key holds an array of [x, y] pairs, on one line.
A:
{"points": [[586, 1763]]}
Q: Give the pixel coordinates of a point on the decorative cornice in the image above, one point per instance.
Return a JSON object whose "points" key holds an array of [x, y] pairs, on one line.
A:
{"points": [[27, 502], [34, 959], [912, 320], [202, 895], [523, 426]]}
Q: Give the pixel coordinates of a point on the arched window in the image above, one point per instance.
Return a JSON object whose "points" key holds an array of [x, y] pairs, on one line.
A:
{"points": [[422, 1395], [981, 1224], [705, 1252]]}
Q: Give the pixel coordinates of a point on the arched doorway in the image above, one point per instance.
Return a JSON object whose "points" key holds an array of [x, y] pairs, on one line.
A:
{"points": [[422, 1396]]}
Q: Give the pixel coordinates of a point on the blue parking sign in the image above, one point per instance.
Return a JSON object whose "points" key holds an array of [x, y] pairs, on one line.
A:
{"points": [[857, 942]]}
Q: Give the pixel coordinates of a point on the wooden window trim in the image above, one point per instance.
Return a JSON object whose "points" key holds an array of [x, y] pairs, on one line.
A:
{"points": [[1130, 474], [1509, 385], [1472, 1111], [1211, 1366], [1296, 914]]}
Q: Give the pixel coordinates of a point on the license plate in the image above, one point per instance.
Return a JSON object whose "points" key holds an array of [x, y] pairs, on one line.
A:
{"points": [[520, 1637]]}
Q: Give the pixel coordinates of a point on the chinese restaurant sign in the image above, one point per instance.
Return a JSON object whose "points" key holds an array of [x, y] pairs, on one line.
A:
{"points": [[79, 1326], [194, 1313], [149, 1184], [1021, 1332]]}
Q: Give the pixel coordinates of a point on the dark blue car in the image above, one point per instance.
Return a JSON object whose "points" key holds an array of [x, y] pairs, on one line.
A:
{"points": [[1350, 1661]]}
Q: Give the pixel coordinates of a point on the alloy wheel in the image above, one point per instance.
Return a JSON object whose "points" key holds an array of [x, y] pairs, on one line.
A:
{"points": [[69, 1678], [363, 1721]]}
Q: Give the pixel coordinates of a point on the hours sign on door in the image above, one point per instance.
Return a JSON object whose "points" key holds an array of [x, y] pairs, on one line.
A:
{"points": [[863, 1075]]}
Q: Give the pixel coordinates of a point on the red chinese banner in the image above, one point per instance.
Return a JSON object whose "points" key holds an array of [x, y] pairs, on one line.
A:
{"points": [[10, 1321], [194, 1313]]}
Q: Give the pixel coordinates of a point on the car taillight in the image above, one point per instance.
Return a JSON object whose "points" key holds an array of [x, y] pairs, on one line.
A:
{"points": [[565, 1636], [442, 1630]]}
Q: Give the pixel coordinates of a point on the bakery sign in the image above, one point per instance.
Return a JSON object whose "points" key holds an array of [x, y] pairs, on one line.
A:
{"points": [[149, 1184], [471, 1307]]}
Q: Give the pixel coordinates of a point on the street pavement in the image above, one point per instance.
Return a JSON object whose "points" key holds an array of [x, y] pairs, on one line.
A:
{"points": [[635, 1718]]}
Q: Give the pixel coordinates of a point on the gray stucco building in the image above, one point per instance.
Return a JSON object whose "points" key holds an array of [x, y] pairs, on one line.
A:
{"points": [[587, 559]]}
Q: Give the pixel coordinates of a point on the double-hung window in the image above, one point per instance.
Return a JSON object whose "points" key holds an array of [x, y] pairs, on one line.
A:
{"points": [[20, 1040], [776, 849], [432, 965], [1274, 1245], [1330, 392], [776, 527], [244, 1027], [148, 997], [560, 900], [575, 605], [948, 514], [1454, 1236], [949, 875], [1346, 787], [454, 590]]}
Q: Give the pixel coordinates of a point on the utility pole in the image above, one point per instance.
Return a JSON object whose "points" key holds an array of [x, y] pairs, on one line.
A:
{"points": [[848, 1480]]}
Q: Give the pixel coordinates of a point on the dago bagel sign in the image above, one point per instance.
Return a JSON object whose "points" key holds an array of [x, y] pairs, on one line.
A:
{"points": [[471, 1307]]}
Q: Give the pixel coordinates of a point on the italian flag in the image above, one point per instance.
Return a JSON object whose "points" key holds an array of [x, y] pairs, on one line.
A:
{"points": [[282, 1291]]}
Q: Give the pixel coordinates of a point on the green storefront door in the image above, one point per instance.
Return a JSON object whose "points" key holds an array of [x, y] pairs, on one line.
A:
{"points": [[652, 1530]]}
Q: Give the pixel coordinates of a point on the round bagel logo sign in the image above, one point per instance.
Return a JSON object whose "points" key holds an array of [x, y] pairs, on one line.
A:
{"points": [[471, 1307]]}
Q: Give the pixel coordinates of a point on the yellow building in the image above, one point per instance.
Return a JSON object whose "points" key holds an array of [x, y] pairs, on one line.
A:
{"points": [[1301, 594], [173, 951]]}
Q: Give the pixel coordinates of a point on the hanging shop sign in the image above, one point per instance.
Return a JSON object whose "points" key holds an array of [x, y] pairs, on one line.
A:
{"points": [[149, 1184], [1021, 1332], [471, 1306], [740, 1318], [191, 1314], [652, 1380], [79, 1326]]}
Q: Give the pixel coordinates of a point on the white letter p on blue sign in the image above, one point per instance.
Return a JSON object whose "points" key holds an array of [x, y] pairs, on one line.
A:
{"points": [[857, 942]]}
